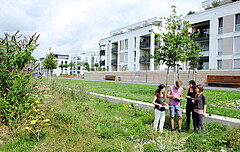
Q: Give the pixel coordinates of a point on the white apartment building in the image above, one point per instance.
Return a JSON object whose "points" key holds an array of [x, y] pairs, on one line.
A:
{"points": [[129, 48], [80, 59], [219, 37], [64, 59]]}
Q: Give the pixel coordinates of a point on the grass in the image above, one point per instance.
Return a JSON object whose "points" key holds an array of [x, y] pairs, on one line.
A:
{"points": [[218, 100], [80, 122]]}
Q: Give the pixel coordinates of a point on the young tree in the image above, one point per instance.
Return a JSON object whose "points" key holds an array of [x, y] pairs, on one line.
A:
{"points": [[71, 65], [174, 44], [50, 63], [87, 67], [61, 66]]}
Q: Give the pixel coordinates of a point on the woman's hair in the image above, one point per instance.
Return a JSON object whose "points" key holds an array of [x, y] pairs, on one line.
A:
{"points": [[178, 83], [160, 87], [200, 87], [193, 83]]}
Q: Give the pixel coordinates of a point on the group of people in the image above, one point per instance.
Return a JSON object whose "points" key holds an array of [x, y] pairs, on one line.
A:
{"points": [[196, 106]]}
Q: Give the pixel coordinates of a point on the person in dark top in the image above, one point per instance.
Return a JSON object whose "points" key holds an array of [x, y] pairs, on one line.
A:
{"points": [[200, 107], [159, 109], [190, 105]]}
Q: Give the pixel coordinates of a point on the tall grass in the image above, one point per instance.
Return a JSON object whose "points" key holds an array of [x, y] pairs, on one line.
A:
{"points": [[80, 122]]}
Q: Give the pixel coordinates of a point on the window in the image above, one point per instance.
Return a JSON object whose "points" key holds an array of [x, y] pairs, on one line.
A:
{"points": [[219, 46], [220, 25], [135, 56], [126, 44], [237, 64], [237, 27], [86, 59], [66, 62], [135, 42], [219, 64], [237, 44], [122, 45], [125, 57]]}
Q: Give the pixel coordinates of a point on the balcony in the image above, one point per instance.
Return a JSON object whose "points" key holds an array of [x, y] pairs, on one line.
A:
{"points": [[114, 62], [203, 34], [102, 63], [204, 53], [114, 50], [144, 45], [102, 52], [144, 59]]}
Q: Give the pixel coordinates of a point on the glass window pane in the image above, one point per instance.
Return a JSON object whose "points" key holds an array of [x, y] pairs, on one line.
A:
{"points": [[237, 64], [237, 44]]}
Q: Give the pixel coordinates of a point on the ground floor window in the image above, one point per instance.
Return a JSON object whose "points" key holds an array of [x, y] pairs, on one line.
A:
{"points": [[237, 64]]}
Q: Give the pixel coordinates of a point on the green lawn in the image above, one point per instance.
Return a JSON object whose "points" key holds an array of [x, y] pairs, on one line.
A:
{"points": [[144, 92]]}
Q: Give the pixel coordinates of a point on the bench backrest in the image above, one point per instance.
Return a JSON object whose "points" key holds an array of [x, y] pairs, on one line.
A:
{"points": [[223, 78]]}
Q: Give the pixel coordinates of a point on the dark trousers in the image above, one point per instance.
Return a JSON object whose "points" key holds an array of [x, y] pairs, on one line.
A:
{"points": [[189, 111], [198, 118]]}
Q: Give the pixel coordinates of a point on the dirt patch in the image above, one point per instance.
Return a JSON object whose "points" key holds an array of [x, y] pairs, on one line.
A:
{"points": [[4, 133]]}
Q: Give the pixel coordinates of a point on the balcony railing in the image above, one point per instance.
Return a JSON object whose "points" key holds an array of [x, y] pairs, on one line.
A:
{"points": [[144, 59], [114, 50], [144, 45], [102, 63], [203, 34], [102, 52], [114, 62]]}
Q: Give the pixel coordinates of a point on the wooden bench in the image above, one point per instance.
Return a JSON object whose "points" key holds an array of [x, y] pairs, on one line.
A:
{"points": [[110, 77], [223, 80]]}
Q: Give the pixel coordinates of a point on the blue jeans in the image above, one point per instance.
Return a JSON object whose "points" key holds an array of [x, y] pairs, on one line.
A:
{"points": [[175, 108]]}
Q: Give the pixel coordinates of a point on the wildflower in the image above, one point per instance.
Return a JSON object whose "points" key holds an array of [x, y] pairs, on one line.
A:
{"points": [[10, 78], [34, 75], [0, 91], [23, 87], [8, 89]]}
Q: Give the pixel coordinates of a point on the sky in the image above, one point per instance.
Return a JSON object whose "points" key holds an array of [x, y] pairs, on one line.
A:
{"points": [[75, 26]]}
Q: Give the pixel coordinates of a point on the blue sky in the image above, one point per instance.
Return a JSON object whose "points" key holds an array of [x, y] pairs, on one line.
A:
{"points": [[73, 26]]}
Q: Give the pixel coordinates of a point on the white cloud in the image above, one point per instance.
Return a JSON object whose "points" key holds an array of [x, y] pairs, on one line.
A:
{"points": [[69, 26]]}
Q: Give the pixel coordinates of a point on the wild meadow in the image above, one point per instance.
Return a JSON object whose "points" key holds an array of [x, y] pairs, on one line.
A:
{"points": [[80, 122]]}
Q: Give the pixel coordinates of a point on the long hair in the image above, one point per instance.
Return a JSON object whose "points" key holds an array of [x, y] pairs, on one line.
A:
{"points": [[193, 84], [160, 87]]}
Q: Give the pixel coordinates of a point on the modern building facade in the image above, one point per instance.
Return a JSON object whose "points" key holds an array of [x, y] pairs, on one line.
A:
{"points": [[219, 34], [79, 61], [64, 67], [130, 48]]}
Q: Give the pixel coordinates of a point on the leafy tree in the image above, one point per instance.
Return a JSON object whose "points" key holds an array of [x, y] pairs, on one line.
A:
{"points": [[50, 63], [61, 66], [71, 65], [175, 44], [87, 66]]}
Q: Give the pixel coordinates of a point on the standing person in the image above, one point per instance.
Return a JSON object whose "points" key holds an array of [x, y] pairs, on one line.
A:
{"points": [[159, 110], [190, 105], [175, 95], [200, 106]]}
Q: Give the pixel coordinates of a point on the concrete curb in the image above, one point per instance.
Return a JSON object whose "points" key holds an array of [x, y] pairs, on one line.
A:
{"points": [[148, 106]]}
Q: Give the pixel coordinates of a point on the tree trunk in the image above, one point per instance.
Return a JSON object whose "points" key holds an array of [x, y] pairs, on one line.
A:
{"points": [[189, 74], [167, 77], [174, 74]]}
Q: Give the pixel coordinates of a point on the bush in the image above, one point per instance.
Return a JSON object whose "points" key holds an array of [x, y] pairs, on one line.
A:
{"points": [[21, 101]]}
